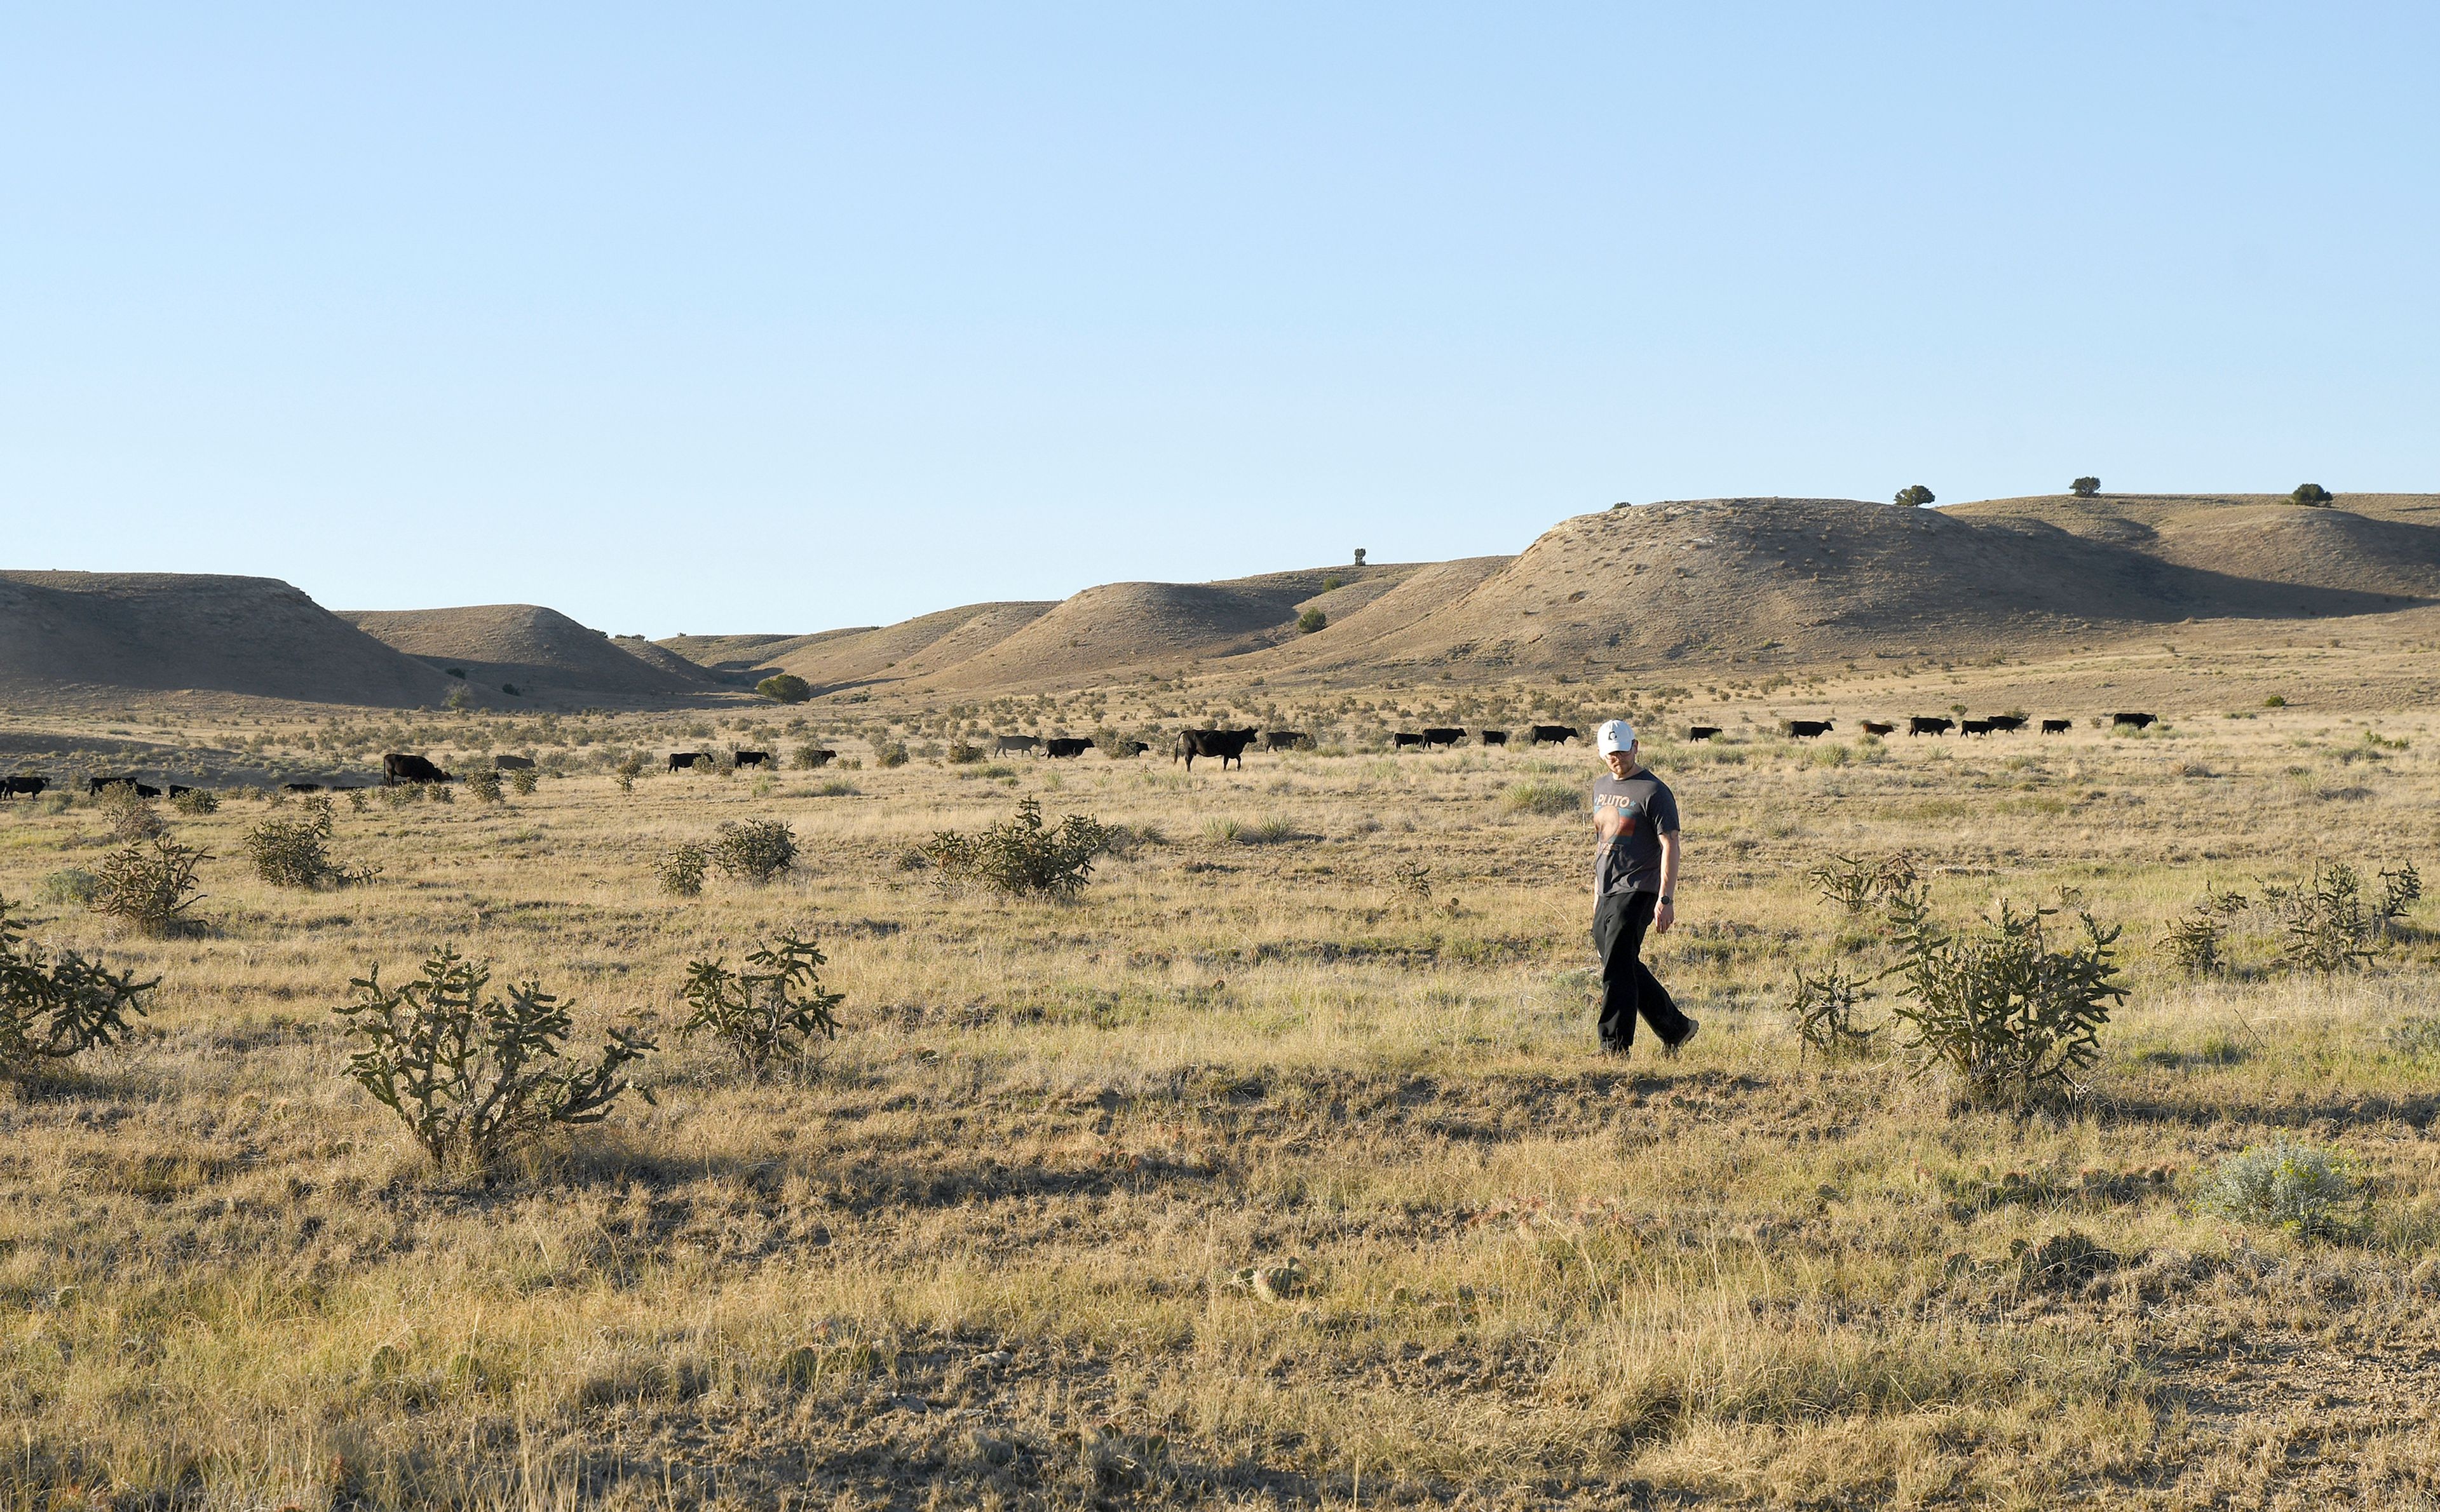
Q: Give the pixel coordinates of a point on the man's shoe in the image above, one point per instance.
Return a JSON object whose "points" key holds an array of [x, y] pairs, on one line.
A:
{"points": [[1692, 1024]]}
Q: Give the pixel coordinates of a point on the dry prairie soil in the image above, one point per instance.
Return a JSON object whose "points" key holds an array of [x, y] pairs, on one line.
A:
{"points": [[1273, 1170]]}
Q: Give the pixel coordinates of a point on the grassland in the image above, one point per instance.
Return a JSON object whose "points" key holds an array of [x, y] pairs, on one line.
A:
{"points": [[1334, 1009]]}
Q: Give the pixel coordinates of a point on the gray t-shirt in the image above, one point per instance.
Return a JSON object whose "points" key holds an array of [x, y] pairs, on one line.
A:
{"points": [[1631, 815]]}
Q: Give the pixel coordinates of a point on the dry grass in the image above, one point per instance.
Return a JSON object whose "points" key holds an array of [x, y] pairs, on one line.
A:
{"points": [[978, 1252]]}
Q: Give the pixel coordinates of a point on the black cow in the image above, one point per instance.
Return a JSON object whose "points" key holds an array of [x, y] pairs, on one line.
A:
{"points": [[1400, 739], [1227, 745], [1285, 740], [513, 763], [1442, 734], [686, 760], [397, 768], [1701, 732], [819, 757], [1013, 744], [2138, 720], [753, 758], [1975, 727], [300, 787], [1876, 727], [30, 787], [1128, 748], [1494, 737], [1805, 729], [2058, 726], [179, 789], [2006, 723], [1552, 733], [1063, 746], [1917, 724]]}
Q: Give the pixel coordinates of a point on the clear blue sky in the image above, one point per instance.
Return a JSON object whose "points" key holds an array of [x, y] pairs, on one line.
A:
{"points": [[732, 318]]}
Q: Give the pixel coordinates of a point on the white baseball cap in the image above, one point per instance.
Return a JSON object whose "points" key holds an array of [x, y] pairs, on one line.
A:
{"points": [[1617, 734]]}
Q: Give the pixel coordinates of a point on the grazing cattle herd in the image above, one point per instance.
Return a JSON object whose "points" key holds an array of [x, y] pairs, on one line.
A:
{"points": [[1222, 745]]}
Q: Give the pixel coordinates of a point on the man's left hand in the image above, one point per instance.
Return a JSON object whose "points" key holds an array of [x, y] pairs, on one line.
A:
{"points": [[1662, 916]]}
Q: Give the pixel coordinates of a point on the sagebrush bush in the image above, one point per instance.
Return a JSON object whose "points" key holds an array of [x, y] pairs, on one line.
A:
{"points": [[150, 885], [523, 781], [681, 869], [2306, 1191], [129, 815], [771, 1011], [2014, 1020], [756, 850], [889, 754], [485, 785], [52, 1008], [1021, 855], [69, 886], [197, 801], [472, 1077]]}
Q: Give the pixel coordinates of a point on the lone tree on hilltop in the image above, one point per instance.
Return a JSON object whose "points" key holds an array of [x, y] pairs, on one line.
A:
{"points": [[2085, 487], [2312, 493], [1914, 497]]}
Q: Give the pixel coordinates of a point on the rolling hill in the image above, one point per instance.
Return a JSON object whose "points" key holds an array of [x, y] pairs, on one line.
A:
{"points": [[540, 653], [67, 634]]}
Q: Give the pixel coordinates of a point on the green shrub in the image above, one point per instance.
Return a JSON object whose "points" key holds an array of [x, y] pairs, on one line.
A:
{"points": [[2328, 928], [784, 688], [2085, 487], [1333, 581], [836, 788], [2401, 888], [1915, 496], [2012, 1018], [2296, 1187], [960, 753], [484, 784], [1856, 883], [472, 1077], [150, 885], [889, 754], [2274, 701], [756, 850], [1541, 795], [197, 801], [53, 1007], [812, 757], [2312, 494], [69, 886], [627, 771], [522, 780], [770, 1010], [1823, 1012], [682, 869], [295, 852], [1311, 620], [1020, 855], [129, 815]]}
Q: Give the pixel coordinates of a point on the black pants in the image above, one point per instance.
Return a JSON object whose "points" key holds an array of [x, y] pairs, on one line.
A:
{"points": [[1627, 985]]}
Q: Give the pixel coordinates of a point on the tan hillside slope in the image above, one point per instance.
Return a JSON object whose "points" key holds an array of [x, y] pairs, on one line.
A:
{"points": [[541, 652], [1810, 578], [61, 631], [2379, 543], [908, 649], [1119, 627]]}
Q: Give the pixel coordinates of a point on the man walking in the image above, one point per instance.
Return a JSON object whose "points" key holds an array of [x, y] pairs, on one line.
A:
{"points": [[1635, 882]]}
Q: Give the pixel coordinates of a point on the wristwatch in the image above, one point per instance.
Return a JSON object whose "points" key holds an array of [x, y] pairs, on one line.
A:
{"points": [[1669, 899]]}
